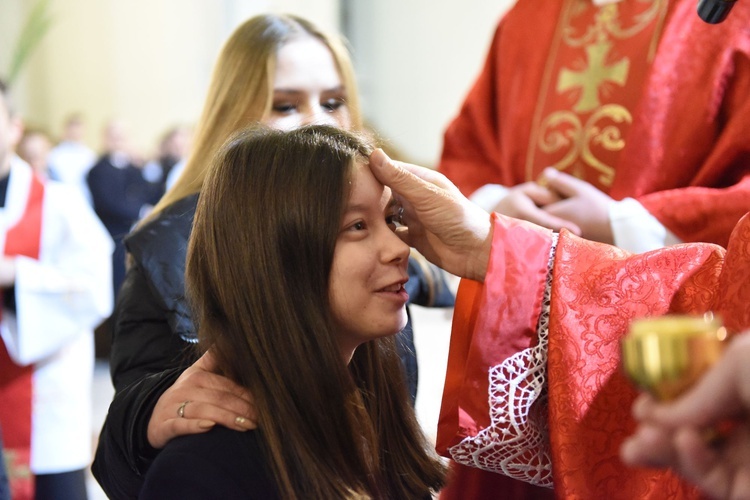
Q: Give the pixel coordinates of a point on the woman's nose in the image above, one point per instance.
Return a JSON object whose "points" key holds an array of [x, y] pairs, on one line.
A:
{"points": [[395, 250], [317, 115]]}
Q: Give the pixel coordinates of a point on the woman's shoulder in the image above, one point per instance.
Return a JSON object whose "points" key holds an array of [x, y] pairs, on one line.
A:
{"points": [[169, 227], [221, 463], [217, 441]]}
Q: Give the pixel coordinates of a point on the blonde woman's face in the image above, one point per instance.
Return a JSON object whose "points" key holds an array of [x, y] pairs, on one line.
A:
{"points": [[307, 87]]}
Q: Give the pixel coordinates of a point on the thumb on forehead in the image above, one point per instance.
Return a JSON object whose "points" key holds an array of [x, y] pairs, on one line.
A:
{"points": [[413, 183], [385, 169]]}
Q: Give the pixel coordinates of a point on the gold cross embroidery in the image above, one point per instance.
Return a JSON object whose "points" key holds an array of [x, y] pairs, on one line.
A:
{"points": [[591, 78]]}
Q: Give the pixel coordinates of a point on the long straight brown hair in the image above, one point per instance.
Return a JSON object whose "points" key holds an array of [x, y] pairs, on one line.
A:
{"points": [[241, 90], [258, 269]]}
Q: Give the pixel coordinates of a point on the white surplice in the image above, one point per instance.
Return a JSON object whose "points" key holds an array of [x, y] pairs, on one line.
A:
{"points": [[60, 299]]}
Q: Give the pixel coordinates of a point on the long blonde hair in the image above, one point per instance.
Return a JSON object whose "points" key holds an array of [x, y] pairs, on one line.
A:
{"points": [[241, 90]]}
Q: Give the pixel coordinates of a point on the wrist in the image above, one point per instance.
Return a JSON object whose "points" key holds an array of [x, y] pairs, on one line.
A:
{"points": [[481, 258]]}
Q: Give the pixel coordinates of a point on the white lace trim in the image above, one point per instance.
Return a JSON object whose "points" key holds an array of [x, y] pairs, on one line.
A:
{"points": [[516, 443]]}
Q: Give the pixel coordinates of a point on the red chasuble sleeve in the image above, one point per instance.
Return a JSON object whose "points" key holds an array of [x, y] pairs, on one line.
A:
{"points": [[471, 150], [569, 436], [511, 302], [693, 136]]}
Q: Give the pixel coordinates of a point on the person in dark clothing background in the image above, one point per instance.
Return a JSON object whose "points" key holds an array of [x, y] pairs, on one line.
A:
{"points": [[120, 193]]}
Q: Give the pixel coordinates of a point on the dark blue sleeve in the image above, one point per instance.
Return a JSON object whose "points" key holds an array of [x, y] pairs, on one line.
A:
{"points": [[427, 285]]}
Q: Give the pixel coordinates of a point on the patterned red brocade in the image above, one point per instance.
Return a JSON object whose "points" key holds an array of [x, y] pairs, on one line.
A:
{"points": [[640, 98], [596, 290]]}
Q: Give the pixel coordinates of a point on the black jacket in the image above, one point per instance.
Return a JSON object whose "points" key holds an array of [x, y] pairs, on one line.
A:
{"points": [[154, 341]]}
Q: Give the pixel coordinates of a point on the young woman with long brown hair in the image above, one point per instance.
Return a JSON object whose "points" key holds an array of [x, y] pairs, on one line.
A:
{"points": [[297, 281]]}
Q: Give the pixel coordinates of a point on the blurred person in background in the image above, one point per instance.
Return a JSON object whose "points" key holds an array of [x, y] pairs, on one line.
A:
{"points": [[70, 160], [55, 276], [34, 149], [120, 193], [586, 94], [170, 159]]}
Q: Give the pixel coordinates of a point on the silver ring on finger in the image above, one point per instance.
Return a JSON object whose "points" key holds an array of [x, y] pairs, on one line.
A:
{"points": [[181, 409]]}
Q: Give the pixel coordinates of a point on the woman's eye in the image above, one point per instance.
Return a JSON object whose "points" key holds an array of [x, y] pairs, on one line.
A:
{"points": [[332, 105], [284, 108], [358, 226]]}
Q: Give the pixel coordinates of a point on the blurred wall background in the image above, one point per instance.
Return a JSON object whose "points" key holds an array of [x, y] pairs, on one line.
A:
{"points": [[148, 62]]}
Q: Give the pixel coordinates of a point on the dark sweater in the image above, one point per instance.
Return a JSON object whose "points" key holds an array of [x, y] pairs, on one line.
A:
{"points": [[221, 463]]}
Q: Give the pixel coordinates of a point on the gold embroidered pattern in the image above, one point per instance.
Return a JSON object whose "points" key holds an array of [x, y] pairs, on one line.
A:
{"points": [[593, 76], [563, 129], [572, 136]]}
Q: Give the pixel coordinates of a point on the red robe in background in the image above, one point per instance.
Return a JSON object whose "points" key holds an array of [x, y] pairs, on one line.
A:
{"points": [[533, 387], [640, 98]]}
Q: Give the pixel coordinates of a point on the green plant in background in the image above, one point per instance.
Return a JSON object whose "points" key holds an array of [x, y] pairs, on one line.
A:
{"points": [[36, 26]]}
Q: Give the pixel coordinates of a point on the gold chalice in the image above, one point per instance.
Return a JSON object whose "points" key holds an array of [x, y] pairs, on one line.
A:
{"points": [[666, 355]]}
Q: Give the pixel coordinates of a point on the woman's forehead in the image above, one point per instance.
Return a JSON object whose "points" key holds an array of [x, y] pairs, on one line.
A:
{"points": [[366, 189], [306, 61]]}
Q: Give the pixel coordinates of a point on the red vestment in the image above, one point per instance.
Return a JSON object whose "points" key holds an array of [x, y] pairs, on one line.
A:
{"points": [[640, 98], [557, 416]]}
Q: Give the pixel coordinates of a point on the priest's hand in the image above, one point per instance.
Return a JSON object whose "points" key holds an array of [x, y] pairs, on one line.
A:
{"points": [[527, 201], [581, 204], [197, 401], [674, 434], [448, 229]]}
